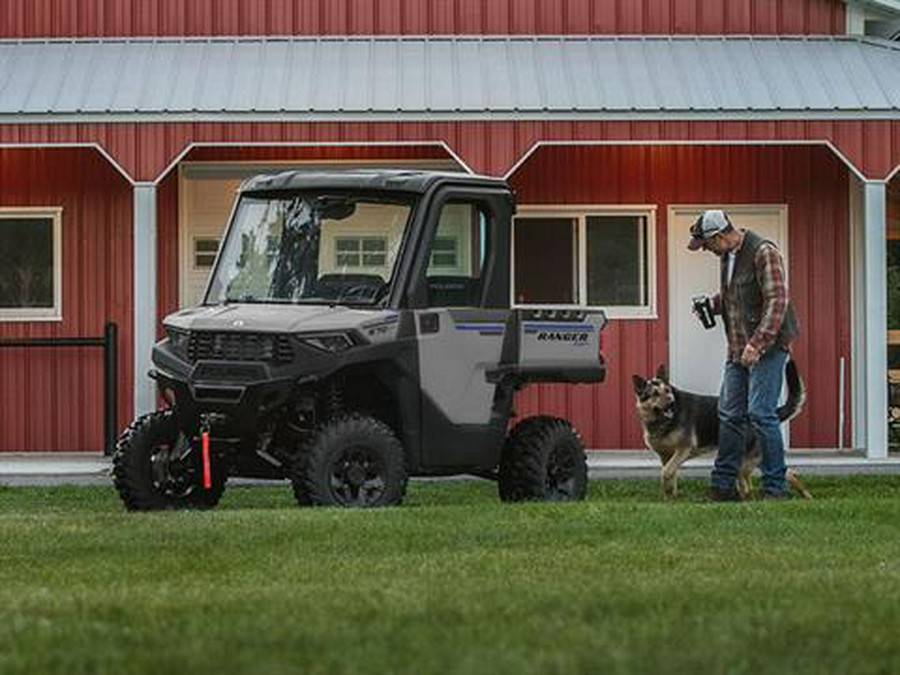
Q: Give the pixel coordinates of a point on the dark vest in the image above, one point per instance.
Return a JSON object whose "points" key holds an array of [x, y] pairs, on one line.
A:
{"points": [[744, 290]]}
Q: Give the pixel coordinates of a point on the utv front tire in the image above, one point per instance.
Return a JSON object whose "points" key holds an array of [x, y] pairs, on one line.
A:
{"points": [[155, 468], [353, 461], [543, 459]]}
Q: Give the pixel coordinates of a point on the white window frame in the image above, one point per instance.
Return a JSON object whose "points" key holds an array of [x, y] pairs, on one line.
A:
{"points": [[360, 238], [194, 252], [579, 215], [53, 313]]}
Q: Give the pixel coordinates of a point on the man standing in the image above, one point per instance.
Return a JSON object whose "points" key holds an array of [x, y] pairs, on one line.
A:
{"points": [[760, 324]]}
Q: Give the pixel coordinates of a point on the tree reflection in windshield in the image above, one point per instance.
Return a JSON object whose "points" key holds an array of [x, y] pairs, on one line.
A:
{"points": [[297, 267]]}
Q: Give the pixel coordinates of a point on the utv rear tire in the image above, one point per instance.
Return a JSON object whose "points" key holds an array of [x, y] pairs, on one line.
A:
{"points": [[150, 473], [543, 459], [353, 461]]}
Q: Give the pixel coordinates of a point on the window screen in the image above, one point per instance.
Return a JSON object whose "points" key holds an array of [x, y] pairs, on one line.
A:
{"points": [[28, 271], [545, 261], [205, 250], [617, 260]]}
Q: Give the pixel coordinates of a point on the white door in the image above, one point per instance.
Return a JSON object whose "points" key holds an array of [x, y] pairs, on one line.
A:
{"points": [[696, 355]]}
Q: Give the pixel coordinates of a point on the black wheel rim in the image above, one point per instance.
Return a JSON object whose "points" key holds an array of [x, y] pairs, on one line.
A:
{"points": [[358, 477], [561, 483], [171, 470]]}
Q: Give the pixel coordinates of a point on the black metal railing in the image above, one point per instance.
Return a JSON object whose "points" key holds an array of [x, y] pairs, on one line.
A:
{"points": [[109, 342]]}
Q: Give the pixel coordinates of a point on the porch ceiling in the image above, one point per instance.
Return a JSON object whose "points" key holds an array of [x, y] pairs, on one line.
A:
{"points": [[452, 78]]}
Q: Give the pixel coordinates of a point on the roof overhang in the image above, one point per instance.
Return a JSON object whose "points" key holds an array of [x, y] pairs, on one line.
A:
{"points": [[448, 78], [883, 5]]}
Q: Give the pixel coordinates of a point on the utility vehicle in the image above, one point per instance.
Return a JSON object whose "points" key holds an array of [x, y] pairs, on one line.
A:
{"points": [[356, 330]]}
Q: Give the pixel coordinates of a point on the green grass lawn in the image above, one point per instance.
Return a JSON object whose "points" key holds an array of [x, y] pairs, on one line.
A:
{"points": [[454, 582]]}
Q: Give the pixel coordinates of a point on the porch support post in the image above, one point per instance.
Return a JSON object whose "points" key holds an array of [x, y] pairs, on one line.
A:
{"points": [[144, 294], [874, 234]]}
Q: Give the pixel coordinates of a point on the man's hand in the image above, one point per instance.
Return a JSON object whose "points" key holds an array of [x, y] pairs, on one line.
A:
{"points": [[750, 356]]}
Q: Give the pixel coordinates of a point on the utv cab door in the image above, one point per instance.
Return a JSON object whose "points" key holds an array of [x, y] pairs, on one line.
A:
{"points": [[461, 318]]}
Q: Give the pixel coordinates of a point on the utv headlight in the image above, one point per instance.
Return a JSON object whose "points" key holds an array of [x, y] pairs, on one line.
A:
{"points": [[178, 341], [333, 343]]}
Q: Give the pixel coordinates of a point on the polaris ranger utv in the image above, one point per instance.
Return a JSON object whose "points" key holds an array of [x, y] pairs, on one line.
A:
{"points": [[357, 330]]}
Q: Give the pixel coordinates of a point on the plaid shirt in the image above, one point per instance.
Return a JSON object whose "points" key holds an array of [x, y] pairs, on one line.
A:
{"points": [[770, 276]]}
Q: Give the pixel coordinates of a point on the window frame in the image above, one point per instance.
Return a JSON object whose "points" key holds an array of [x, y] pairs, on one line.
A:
{"points": [[361, 252], [194, 252], [37, 314], [579, 215]]}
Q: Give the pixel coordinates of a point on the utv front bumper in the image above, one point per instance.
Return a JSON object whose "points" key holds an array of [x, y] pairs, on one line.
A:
{"points": [[239, 395], [237, 406]]}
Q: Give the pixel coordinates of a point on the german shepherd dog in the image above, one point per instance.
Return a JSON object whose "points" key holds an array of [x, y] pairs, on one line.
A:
{"points": [[679, 425]]}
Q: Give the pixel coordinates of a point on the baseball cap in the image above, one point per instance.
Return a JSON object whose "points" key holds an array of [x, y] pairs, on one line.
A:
{"points": [[709, 224]]}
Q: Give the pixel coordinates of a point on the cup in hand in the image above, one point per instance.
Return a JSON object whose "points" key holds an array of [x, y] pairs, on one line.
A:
{"points": [[703, 309]]}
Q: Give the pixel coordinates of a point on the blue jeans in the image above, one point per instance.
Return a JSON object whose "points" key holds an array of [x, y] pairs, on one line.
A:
{"points": [[748, 403]]}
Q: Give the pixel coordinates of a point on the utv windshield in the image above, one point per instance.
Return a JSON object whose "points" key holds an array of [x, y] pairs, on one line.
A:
{"points": [[310, 248]]}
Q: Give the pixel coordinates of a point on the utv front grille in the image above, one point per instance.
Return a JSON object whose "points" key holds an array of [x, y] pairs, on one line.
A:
{"points": [[212, 346]]}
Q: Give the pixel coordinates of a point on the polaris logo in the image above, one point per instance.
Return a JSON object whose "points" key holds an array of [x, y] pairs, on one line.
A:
{"points": [[557, 336]]}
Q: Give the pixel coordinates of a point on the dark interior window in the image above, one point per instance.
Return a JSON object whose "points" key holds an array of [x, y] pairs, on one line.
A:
{"points": [[26, 275], [545, 261], [617, 260]]}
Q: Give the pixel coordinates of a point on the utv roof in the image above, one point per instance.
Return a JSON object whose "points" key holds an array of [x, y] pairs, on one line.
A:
{"points": [[416, 182]]}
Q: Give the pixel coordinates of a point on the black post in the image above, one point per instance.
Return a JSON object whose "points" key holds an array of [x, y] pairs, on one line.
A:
{"points": [[110, 387]]}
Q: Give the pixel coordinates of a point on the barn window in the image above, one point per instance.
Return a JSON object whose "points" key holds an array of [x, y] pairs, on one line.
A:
{"points": [[360, 251], [205, 250], [592, 258], [30, 264]]}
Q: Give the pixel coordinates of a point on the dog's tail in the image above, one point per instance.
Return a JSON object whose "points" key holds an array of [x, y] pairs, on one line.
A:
{"points": [[796, 395]]}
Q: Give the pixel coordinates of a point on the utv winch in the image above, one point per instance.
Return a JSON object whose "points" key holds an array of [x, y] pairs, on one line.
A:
{"points": [[357, 330]]}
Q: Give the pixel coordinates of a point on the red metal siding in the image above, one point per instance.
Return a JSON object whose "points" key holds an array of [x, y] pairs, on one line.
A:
{"points": [[335, 153], [97, 219], [52, 398], [166, 248], [146, 150], [116, 18], [810, 181]]}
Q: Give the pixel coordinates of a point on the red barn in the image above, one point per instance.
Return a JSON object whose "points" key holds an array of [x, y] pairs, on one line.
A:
{"points": [[125, 126]]}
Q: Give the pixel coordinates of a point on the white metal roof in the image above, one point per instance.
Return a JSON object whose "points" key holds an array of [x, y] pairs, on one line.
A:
{"points": [[452, 77]]}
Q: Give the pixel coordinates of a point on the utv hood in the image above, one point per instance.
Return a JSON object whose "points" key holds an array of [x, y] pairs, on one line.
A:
{"points": [[270, 318]]}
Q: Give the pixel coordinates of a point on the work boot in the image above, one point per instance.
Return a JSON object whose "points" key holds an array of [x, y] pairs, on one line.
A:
{"points": [[720, 494]]}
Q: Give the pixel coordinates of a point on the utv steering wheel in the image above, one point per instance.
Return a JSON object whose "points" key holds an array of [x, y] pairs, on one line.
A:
{"points": [[363, 292]]}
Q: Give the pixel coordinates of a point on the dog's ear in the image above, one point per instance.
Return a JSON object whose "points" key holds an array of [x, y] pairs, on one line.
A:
{"points": [[639, 383], [662, 373]]}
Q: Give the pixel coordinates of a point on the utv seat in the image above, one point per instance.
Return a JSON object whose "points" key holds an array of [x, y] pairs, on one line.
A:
{"points": [[453, 291]]}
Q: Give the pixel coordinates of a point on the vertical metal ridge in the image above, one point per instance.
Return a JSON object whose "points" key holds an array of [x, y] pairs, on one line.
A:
{"points": [[157, 17]]}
